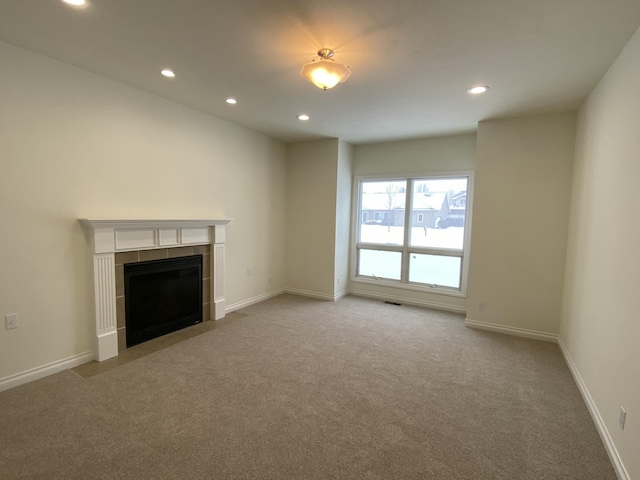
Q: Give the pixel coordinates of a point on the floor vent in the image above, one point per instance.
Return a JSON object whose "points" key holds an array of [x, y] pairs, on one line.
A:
{"points": [[393, 303]]}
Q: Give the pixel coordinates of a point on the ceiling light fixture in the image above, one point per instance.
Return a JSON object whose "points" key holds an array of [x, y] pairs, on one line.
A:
{"points": [[168, 73], [477, 90], [303, 117], [75, 3], [325, 72], [231, 101]]}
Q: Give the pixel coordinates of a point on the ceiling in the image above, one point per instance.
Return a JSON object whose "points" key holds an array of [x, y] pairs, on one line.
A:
{"points": [[412, 60]]}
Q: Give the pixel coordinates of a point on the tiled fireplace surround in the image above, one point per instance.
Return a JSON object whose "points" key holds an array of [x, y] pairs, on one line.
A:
{"points": [[122, 258], [116, 242]]}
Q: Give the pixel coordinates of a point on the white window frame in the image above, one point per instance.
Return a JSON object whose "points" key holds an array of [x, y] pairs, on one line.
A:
{"points": [[406, 249]]}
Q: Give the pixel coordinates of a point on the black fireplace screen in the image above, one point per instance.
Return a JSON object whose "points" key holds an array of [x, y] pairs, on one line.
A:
{"points": [[162, 296]]}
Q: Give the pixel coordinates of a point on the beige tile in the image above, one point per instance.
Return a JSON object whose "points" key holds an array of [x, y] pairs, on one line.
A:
{"points": [[180, 252], [122, 339], [202, 249], [206, 266], [119, 280], [120, 312], [206, 312], [126, 257], [206, 291], [146, 255]]}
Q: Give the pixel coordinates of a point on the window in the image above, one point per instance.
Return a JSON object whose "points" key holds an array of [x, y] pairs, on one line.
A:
{"points": [[412, 232]]}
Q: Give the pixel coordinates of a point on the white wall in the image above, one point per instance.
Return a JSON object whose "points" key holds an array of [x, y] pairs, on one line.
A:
{"points": [[74, 144], [311, 217], [600, 329], [521, 210], [343, 217], [414, 157]]}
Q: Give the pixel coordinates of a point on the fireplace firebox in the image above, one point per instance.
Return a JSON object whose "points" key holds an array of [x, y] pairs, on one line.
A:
{"points": [[162, 296]]}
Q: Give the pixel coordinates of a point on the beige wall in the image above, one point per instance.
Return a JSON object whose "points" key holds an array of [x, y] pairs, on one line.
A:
{"points": [[74, 144], [600, 327], [521, 210], [343, 216], [410, 157], [414, 157], [311, 217]]}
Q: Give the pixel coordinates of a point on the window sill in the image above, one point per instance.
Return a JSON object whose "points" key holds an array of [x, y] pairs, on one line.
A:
{"points": [[411, 286]]}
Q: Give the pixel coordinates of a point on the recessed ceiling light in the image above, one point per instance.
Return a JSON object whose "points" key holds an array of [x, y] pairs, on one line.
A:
{"points": [[168, 73], [231, 101], [75, 3], [303, 117], [478, 90]]}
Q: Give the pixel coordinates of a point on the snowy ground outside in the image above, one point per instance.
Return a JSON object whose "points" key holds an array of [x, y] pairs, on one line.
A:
{"points": [[452, 237], [430, 269]]}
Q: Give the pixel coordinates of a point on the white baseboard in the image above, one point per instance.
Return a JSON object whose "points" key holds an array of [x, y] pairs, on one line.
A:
{"points": [[518, 332], [44, 371], [293, 291], [609, 446], [310, 294], [407, 301], [340, 295], [251, 301]]}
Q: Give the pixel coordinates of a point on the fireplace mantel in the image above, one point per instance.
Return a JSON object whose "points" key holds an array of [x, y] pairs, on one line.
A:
{"points": [[110, 236]]}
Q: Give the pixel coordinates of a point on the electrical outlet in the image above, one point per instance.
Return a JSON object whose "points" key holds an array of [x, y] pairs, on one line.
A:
{"points": [[269, 280], [622, 418], [248, 272], [11, 321], [338, 281], [481, 306]]}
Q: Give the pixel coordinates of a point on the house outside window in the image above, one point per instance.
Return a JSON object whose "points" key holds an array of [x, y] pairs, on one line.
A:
{"points": [[419, 235]]}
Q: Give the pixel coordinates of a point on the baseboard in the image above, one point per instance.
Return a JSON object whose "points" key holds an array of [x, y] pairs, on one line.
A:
{"points": [[310, 294], [44, 371], [260, 298], [340, 295], [609, 446], [518, 332], [407, 301]]}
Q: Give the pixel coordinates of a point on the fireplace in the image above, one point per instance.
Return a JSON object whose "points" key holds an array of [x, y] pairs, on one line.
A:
{"points": [[162, 296], [113, 242]]}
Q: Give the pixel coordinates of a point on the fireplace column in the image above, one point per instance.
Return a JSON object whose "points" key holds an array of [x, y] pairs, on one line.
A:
{"points": [[217, 273], [104, 279]]}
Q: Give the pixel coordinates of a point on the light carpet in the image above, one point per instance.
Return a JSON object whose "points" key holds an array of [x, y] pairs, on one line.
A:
{"points": [[296, 388]]}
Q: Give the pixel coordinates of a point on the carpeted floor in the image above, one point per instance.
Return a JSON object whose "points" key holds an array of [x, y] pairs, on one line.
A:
{"points": [[296, 388]]}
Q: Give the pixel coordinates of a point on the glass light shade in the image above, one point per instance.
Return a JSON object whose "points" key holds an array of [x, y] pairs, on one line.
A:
{"points": [[325, 73]]}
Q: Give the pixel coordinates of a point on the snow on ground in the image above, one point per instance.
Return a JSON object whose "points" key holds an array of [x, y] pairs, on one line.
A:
{"points": [[430, 269], [452, 237]]}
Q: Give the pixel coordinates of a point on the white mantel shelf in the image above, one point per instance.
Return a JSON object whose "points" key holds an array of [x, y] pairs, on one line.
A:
{"points": [[177, 223], [110, 236]]}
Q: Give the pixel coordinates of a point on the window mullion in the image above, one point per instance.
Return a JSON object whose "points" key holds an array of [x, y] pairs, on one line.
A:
{"points": [[437, 251], [377, 246], [404, 273]]}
